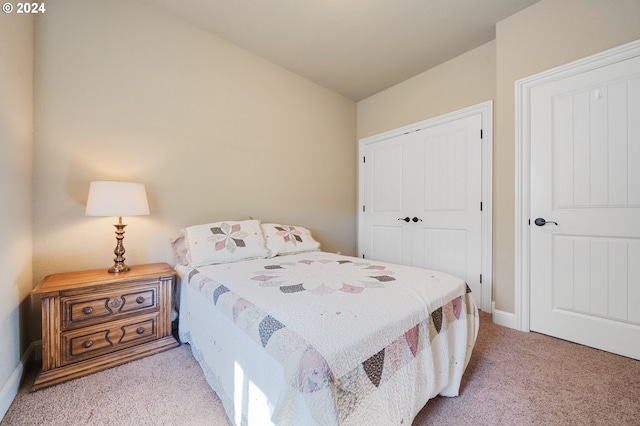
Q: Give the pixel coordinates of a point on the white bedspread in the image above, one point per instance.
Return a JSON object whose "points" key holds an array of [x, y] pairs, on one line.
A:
{"points": [[356, 341]]}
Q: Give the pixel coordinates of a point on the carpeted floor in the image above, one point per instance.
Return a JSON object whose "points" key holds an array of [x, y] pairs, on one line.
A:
{"points": [[513, 378]]}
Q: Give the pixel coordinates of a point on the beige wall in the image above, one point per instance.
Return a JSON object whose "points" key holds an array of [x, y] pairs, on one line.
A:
{"points": [[466, 80], [127, 92], [16, 154], [545, 35]]}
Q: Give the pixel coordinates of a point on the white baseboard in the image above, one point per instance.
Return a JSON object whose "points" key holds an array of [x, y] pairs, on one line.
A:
{"points": [[505, 319], [10, 389]]}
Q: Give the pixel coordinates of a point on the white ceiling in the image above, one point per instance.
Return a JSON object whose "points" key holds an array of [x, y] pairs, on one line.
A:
{"points": [[353, 47]]}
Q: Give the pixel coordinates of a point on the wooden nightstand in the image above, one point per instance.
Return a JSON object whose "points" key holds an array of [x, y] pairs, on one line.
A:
{"points": [[94, 320]]}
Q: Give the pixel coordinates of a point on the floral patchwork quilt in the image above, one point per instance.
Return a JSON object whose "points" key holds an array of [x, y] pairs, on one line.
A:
{"points": [[356, 338]]}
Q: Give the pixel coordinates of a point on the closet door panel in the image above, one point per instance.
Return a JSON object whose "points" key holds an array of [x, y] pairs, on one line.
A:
{"points": [[385, 200]]}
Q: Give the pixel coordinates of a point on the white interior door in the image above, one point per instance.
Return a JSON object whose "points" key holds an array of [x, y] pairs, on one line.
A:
{"points": [[432, 179], [585, 175]]}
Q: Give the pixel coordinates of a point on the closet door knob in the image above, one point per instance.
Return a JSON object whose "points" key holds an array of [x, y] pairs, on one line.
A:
{"points": [[416, 219], [406, 219]]}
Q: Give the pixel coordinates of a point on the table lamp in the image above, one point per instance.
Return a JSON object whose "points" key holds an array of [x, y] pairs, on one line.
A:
{"points": [[109, 198]]}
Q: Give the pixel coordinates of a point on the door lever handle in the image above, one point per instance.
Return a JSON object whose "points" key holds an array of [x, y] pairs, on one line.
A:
{"points": [[541, 222], [406, 219], [416, 219]]}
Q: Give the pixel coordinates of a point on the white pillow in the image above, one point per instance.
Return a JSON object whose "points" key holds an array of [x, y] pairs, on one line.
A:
{"points": [[223, 242], [287, 239]]}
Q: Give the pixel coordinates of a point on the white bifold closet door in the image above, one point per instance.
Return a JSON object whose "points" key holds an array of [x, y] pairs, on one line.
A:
{"points": [[422, 193]]}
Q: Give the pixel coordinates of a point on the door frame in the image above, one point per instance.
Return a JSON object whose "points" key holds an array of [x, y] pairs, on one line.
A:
{"points": [[485, 109], [523, 163]]}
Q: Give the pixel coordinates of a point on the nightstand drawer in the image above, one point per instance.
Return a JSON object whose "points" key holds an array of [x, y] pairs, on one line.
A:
{"points": [[97, 340], [91, 308]]}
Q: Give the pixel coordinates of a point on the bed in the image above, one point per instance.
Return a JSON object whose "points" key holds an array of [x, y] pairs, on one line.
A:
{"points": [[287, 334]]}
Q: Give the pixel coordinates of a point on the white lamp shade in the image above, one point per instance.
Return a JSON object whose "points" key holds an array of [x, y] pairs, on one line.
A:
{"points": [[108, 198]]}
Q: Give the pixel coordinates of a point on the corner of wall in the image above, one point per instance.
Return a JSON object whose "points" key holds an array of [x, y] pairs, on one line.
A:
{"points": [[10, 389]]}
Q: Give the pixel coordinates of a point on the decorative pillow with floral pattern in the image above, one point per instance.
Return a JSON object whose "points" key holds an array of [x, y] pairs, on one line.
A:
{"points": [[223, 242], [288, 239]]}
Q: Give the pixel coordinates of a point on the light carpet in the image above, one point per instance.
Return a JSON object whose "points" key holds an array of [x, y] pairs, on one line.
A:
{"points": [[513, 378]]}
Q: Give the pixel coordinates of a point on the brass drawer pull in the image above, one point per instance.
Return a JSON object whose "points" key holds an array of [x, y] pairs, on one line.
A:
{"points": [[87, 344], [140, 330], [139, 299], [87, 310]]}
